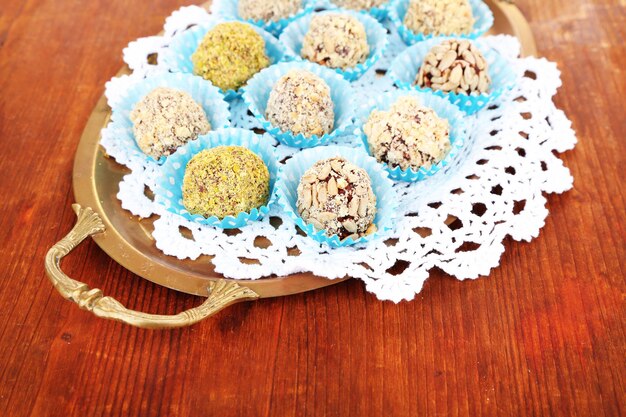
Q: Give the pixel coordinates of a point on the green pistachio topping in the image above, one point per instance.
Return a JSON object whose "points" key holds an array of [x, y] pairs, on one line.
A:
{"points": [[229, 55], [225, 181]]}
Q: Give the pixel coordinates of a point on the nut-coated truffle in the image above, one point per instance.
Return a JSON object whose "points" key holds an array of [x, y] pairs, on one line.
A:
{"points": [[225, 181], [300, 102], [335, 40], [439, 17], [408, 135], [455, 66], [165, 119], [229, 55], [267, 10], [336, 196]]}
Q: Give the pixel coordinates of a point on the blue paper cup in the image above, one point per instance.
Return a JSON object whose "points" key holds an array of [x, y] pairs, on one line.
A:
{"points": [[169, 187], [441, 106], [257, 92], [228, 9], [386, 198], [406, 65], [294, 33], [177, 57], [482, 15], [202, 91], [379, 13]]}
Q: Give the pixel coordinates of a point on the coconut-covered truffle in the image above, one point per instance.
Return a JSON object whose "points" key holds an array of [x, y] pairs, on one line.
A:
{"points": [[300, 102], [408, 135], [336, 196], [229, 55], [439, 17], [455, 66], [267, 10], [225, 181], [358, 4], [165, 119], [336, 41]]}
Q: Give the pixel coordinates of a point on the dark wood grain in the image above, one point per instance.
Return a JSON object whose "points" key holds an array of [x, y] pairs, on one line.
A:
{"points": [[544, 335]]}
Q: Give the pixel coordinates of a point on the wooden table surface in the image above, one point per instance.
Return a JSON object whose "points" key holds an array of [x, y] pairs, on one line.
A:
{"points": [[544, 335]]}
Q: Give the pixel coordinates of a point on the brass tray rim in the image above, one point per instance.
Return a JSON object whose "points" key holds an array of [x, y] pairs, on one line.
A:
{"points": [[127, 255]]}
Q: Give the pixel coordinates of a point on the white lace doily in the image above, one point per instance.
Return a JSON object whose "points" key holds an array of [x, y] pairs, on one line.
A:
{"points": [[495, 189]]}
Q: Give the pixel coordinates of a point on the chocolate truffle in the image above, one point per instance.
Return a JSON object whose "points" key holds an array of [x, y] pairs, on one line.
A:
{"points": [[165, 119], [439, 17], [225, 181], [229, 55], [336, 41], [358, 4], [455, 66], [300, 102], [267, 10], [336, 196], [408, 135]]}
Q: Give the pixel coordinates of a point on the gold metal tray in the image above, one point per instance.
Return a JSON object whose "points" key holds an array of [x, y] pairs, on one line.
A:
{"points": [[128, 240]]}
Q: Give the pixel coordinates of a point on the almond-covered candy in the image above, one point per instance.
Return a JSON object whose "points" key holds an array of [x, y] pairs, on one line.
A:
{"points": [[336, 196], [335, 40], [455, 66], [408, 135]]}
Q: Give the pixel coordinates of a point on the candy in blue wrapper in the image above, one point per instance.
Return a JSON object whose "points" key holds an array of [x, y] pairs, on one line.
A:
{"points": [[458, 130], [229, 9], [201, 91], [386, 198], [483, 20], [177, 57], [406, 65], [293, 36], [169, 189], [257, 92]]}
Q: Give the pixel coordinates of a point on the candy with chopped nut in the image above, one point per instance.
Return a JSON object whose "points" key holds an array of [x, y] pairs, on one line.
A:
{"points": [[408, 135], [300, 103], [439, 17], [336, 196], [455, 66], [335, 40], [229, 55], [225, 181], [268, 10], [166, 119], [358, 4]]}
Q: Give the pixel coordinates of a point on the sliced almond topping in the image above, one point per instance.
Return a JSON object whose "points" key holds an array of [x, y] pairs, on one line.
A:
{"points": [[322, 193], [309, 178], [469, 57], [354, 206], [363, 207], [350, 226], [306, 197], [324, 172], [332, 187], [326, 216], [336, 165], [456, 75], [447, 60], [342, 183]]}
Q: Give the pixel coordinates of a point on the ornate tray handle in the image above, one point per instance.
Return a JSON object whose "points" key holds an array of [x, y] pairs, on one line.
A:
{"points": [[222, 293]]}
